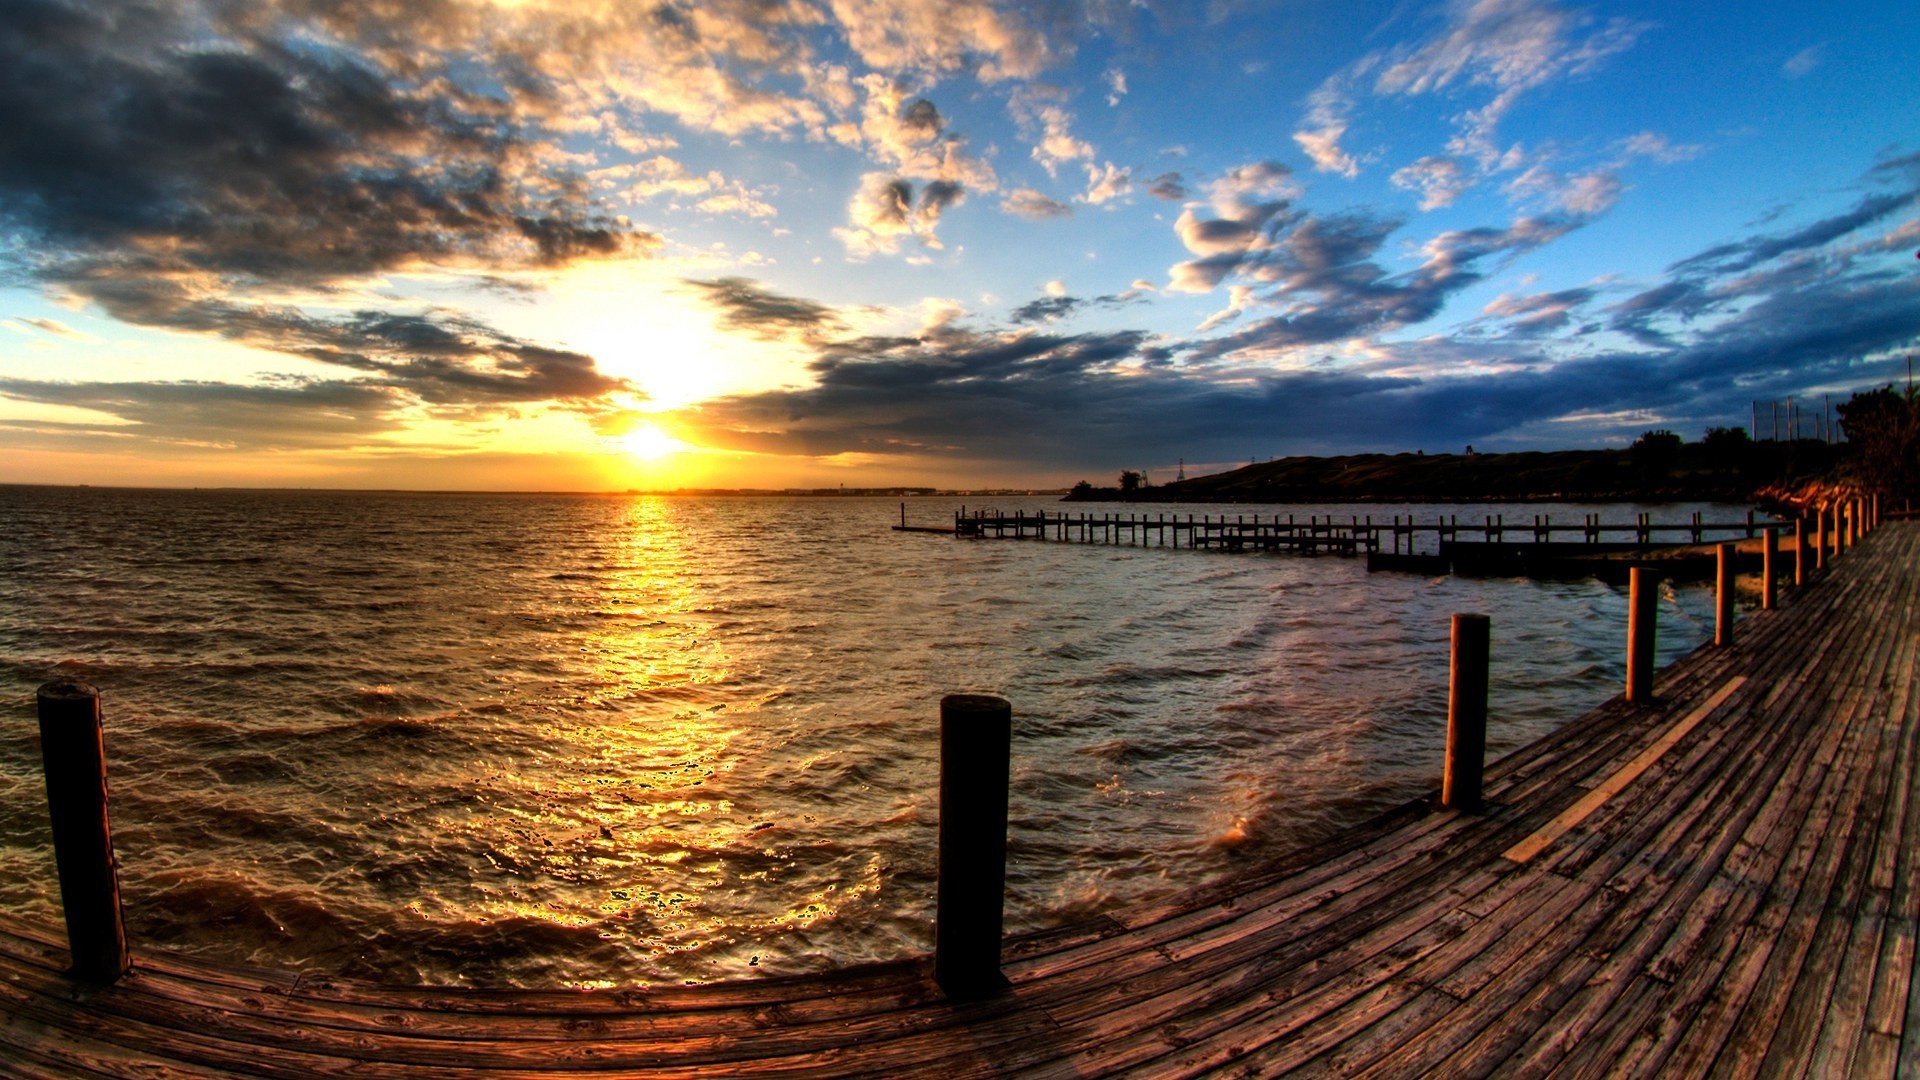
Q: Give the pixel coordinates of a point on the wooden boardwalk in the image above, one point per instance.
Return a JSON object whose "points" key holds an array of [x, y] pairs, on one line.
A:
{"points": [[1722, 881]]}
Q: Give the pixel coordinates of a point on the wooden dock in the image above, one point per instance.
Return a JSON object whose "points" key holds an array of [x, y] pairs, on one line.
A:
{"points": [[1724, 880], [1349, 535], [1494, 547]]}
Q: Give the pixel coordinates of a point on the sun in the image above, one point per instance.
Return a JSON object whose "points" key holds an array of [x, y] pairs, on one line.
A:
{"points": [[648, 443]]}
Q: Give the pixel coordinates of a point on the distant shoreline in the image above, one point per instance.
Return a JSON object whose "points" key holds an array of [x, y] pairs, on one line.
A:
{"points": [[1739, 471]]}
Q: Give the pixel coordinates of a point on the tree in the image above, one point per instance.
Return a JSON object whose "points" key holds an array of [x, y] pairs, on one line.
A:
{"points": [[1726, 447], [1884, 427], [1129, 482], [1654, 454], [1081, 490]]}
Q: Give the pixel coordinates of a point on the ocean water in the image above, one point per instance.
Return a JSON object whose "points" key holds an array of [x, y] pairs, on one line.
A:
{"points": [[522, 740]]}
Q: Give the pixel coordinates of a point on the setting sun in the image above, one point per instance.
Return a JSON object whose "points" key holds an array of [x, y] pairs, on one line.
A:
{"points": [[649, 443]]}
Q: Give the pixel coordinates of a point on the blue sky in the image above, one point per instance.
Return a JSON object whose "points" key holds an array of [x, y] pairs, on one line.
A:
{"points": [[795, 243]]}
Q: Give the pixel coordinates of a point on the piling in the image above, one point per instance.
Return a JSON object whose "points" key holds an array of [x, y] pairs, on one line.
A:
{"points": [[1799, 551], [1723, 595], [1769, 580], [1642, 594], [73, 751], [1461, 787], [976, 753]]}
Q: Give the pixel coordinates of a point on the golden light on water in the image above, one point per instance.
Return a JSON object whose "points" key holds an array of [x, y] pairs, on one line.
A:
{"points": [[620, 827]]}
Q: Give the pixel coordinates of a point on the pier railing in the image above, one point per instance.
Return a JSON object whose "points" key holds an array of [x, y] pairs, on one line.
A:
{"points": [[975, 738]]}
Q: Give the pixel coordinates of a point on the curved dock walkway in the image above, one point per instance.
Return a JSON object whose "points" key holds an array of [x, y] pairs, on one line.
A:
{"points": [[1722, 881]]}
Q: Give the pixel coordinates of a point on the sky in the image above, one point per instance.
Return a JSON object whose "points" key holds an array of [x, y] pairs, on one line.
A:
{"points": [[532, 245]]}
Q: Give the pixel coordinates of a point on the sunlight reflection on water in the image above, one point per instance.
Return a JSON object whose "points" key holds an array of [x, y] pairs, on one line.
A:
{"points": [[589, 741]]}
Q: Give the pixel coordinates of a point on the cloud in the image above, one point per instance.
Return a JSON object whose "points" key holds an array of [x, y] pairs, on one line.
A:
{"points": [[1658, 147], [1028, 203], [1170, 186], [1439, 180], [1508, 48], [292, 416], [1804, 62], [126, 134], [909, 134], [1588, 195], [1322, 278], [1326, 124], [1745, 254], [1049, 127], [1057, 304], [941, 36], [747, 306], [1107, 184], [886, 209], [1249, 203], [52, 326], [1539, 313]]}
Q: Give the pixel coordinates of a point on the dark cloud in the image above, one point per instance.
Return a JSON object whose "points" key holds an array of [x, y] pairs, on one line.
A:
{"points": [[747, 306], [302, 415], [1751, 252], [1052, 308], [1045, 309], [1323, 276], [937, 195], [167, 174], [1637, 314], [122, 131], [1170, 186]]}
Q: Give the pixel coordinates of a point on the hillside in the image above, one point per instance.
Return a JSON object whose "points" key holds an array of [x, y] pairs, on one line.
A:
{"points": [[1669, 472]]}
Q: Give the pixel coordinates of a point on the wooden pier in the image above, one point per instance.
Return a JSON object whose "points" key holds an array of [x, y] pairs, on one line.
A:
{"points": [[1723, 879], [1494, 546]]}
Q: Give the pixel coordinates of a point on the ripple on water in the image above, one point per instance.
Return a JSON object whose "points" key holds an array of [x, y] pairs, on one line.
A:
{"points": [[519, 740]]}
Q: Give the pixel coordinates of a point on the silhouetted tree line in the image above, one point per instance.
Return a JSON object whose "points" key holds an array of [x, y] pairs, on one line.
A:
{"points": [[1884, 427]]}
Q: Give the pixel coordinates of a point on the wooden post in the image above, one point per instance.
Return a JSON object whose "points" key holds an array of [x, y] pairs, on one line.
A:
{"points": [[1642, 617], [903, 515], [1723, 595], [1460, 788], [1769, 578], [1820, 538], [976, 753], [73, 752], [1799, 551]]}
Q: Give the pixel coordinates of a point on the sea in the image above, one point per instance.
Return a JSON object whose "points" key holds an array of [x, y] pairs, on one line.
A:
{"points": [[592, 740]]}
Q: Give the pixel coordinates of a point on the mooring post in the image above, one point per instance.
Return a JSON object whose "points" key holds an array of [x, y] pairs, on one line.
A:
{"points": [[73, 752], [1723, 595], [1460, 788], [1642, 616], [976, 753], [1769, 585], [1820, 538], [1799, 551]]}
